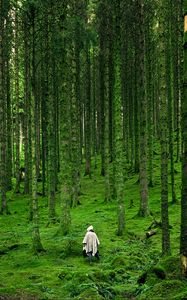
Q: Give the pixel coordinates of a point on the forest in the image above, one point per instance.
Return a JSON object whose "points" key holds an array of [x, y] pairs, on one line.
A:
{"points": [[93, 131]]}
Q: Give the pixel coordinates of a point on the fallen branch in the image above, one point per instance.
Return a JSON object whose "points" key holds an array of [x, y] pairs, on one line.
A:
{"points": [[150, 233]]}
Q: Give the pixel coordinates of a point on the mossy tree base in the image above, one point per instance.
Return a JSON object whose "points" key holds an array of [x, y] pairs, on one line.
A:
{"points": [[183, 261], [143, 213]]}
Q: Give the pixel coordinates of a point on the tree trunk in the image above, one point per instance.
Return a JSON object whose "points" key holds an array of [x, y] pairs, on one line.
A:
{"points": [[102, 90], [176, 48], [164, 129], [52, 168], [7, 94], [119, 158], [17, 105], [4, 208], [8, 128], [149, 58], [136, 118], [144, 209], [87, 113], [65, 167], [169, 67], [27, 109], [37, 245], [183, 236]]}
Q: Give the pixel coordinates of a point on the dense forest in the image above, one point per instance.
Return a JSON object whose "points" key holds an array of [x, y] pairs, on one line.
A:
{"points": [[93, 130]]}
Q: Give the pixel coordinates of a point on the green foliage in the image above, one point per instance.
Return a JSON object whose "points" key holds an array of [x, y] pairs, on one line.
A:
{"points": [[62, 273], [166, 289]]}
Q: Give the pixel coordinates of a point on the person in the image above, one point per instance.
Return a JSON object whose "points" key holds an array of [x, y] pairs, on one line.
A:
{"points": [[90, 244]]}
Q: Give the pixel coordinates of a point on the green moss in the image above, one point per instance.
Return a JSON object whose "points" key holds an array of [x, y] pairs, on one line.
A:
{"points": [[165, 289], [89, 294], [69, 246], [98, 276], [171, 266], [62, 272], [119, 261], [159, 272], [180, 296]]}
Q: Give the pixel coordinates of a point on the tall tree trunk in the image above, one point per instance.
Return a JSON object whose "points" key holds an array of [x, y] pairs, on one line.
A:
{"points": [[176, 48], [52, 169], [27, 116], [119, 149], [183, 236], [102, 89], [169, 65], [164, 129], [88, 113], [107, 144], [4, 208], [9, 128], [118, 117], [136, 117], [149, 85], [65, 166], [44, 102], [7, 88], [37, 245], [119, 158], [74, 130], [78, 108], [17, 103], [111, 86], [111, 109], [144, 209], [124, 88], [94, 114]]}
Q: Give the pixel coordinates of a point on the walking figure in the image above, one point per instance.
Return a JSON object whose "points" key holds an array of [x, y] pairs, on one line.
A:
{"points": [[90, 244]]}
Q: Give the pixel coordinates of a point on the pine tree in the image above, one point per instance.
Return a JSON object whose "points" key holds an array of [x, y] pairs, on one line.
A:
{"points": [[65, 166], [102, 88], [164, 129], [27, 105], [3, 137], [144, 209], [183, 236], [17, 101], [37, 245]]}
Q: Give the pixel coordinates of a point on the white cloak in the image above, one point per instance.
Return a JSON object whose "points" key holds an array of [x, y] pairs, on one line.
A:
{"points": [[91, 242]]}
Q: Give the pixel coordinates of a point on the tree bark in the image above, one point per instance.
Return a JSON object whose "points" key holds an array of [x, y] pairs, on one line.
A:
{"points": [[144, 209], [17, 105], [183, 235], [4, 207], [164, 128], [37, 245]]}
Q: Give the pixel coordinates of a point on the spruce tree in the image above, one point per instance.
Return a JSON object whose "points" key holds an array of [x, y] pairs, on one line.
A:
{"points": [[183, 236], [164, 128], [3, 109], [144, 208]]}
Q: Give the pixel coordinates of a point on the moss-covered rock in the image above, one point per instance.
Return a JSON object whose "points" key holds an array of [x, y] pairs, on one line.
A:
{"points": [[152, 276], [171, 265], [165, 289], [89, 294], [159, 272]]}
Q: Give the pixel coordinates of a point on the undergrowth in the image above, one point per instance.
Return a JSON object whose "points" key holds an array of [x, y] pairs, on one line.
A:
{"points": [[130, 267]]}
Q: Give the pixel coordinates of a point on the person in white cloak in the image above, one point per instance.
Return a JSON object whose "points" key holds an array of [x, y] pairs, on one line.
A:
{"points": [[91, 243]]}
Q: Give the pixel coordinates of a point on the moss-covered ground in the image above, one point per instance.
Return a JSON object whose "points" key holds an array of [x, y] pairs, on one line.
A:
{"points": [[130, 267]]}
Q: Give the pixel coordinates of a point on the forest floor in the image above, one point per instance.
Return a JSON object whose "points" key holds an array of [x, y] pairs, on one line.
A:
{"points": [[130, 267]]}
